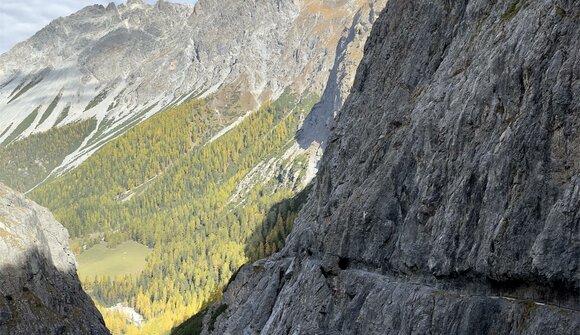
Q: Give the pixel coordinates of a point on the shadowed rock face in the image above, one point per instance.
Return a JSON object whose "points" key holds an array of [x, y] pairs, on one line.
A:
{"points": [[40, 292], [448, 200]]}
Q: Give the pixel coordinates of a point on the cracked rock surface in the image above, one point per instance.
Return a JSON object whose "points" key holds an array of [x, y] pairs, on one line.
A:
{"points": [[40, 292], [448, 199]]}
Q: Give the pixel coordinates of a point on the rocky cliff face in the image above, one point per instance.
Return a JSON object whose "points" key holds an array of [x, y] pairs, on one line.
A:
{"points": [[122, 64], [40, 292], [448, 200]]}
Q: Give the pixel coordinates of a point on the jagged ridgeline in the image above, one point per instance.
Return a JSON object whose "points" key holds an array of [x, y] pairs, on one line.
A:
{"points": [[172, 176]]}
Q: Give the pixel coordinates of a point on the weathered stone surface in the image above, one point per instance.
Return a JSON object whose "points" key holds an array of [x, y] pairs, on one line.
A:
{"points": [[448, 200], [40, 292]]}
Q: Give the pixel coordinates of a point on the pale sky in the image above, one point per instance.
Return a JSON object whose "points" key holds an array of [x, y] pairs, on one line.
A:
{"points": [[20, 19]]}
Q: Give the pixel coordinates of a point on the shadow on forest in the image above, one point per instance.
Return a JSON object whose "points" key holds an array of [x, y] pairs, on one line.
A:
{"points": [[194, 325], [270, 235], [268, 238]]}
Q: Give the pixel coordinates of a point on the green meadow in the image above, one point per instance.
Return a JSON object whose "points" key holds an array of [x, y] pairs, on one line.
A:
{"points": [[126, 258]]}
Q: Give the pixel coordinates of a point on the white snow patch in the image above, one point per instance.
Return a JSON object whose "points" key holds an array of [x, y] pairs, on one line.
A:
{"points": [[132, 315]]}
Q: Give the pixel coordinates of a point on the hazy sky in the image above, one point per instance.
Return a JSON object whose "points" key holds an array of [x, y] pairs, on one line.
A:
{"points": [[20, 19]]}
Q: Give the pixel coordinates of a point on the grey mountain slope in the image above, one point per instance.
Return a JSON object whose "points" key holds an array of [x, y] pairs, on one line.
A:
{"points": [[40, 292], [448, 200]]}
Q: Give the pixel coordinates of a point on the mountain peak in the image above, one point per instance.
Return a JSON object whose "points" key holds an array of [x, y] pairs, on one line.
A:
{"points": [[111, 6]]}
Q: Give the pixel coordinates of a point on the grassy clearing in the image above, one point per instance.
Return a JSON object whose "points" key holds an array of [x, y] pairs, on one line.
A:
{"points": [[126, 258]]}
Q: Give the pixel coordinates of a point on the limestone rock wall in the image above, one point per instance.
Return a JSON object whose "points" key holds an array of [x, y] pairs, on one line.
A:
{"points": [[40, 292], [448, 199]]}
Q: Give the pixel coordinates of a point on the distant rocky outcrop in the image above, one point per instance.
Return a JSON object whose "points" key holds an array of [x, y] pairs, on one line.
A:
{"points": [[40, 292], [448, 200]]}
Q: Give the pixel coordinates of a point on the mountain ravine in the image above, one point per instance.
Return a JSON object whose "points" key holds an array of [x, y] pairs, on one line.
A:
{"points": [[448, 199], [40, 292]]}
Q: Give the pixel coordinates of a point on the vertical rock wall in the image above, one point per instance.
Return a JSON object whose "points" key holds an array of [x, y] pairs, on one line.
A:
{"points": [[448, 200], [40, 292]]}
